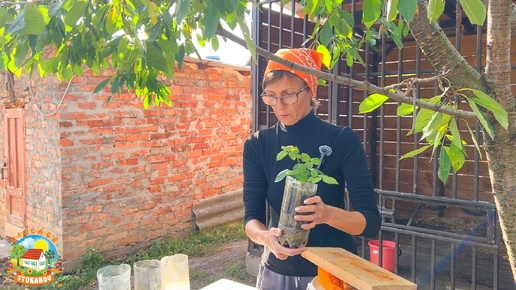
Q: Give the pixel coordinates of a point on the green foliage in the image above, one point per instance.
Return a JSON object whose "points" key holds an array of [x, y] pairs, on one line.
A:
{"points": [[371, 103], [18, 251], [49, 254], [303, 170], [435, 9], [141, 40]]}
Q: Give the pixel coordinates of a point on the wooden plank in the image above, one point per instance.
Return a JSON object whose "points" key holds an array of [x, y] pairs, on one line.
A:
{"points": [[355, 270]]}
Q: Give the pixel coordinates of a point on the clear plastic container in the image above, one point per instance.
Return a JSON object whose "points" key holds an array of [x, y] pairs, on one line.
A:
{"points": [[293, 236], [147, 275], [114, 277], [174, 272]]}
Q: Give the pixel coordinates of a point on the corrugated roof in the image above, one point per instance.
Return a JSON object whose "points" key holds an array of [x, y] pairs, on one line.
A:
{"points": [[33, 254]]}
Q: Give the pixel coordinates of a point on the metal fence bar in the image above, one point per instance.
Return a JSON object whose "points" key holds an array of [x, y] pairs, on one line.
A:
{"points": [[452, 266], [432, 264]]}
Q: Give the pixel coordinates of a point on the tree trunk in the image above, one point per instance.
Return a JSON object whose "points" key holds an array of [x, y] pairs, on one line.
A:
{"points": [[500, 151]]}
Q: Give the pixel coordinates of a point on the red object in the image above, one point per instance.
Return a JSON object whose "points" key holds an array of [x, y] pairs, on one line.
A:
{"points": [[388, 254], [33, 254], [302, 56]]}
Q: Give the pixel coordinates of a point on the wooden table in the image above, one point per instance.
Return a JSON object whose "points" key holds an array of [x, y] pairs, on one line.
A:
{"points": [[224, 284]]}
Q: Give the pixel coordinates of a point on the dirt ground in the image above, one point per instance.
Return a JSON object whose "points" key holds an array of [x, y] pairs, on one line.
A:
{"points": [[227, 262]]}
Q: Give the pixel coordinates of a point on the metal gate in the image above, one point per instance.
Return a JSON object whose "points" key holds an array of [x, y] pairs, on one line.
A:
{"points": [[448, 234]]}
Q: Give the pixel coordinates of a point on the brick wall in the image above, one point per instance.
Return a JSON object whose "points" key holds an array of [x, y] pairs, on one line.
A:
{"points": [[131, 175], [42, 157]]}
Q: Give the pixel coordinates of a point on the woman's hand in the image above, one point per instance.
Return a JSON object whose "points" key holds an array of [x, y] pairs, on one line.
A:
{"points": [[276, 248], [317, 212]]}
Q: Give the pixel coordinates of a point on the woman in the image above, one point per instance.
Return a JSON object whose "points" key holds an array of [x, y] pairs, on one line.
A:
{"points": [[290, 94]]}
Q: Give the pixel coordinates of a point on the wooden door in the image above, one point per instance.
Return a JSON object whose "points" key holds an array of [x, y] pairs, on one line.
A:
{"points": [[15, 156]]}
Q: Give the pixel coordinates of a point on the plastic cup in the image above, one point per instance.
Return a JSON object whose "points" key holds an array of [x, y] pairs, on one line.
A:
{"points": [[147, 275], [174, 272], [114, 277]]}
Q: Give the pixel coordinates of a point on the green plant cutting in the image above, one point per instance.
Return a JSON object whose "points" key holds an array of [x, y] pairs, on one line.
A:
{"points": [[304, 170]]}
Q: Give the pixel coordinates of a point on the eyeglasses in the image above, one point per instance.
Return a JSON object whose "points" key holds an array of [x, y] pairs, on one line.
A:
{"points": [[287, 99]]}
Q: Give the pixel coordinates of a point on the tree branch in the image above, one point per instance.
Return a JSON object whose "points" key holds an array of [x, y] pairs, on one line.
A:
{"points": [[10, 3], [347, 81], [441, 52]]}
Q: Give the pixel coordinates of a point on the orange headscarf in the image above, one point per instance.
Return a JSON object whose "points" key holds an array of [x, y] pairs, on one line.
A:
{"points": [[302, 56]]}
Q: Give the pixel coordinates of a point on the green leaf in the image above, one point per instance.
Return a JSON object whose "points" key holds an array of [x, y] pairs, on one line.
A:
{"points": [[326, 55], [314, 173], [4, 16], [180, 56], [325, 34], [16, 25], [281, 175], [482, 118], [35, 20], [435, 9], [341, 26], [76, 11], [432, 126], [474, 140], [372, 9], [455, 133], [457, 157], [423, 117], [315, 161], [329, 180], [101, 85], [305, 157], [329, 5], [415, 152], [404, 109], [292, 155], [281, 155], [308, 165], [155, 58], [53, 9], [444, 165], [182, 10], [20, 54], [392, 9], [372, 102], [215, 43], [491, 104], [407, 8], [475, 10], [211, 20]]}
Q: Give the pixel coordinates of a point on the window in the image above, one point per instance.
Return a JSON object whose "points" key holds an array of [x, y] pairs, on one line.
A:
{"points": [[42, 263], [34, 263]]}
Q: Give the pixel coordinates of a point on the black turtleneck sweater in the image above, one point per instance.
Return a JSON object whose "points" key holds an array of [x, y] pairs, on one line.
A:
{"points": [[347, 164]]}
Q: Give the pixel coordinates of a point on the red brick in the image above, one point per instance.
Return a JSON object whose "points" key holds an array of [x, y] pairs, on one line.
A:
{"points": [[65, 142], [76, 116], [129, 210], [90, 227], [100, 181], [92, 141], [100, 216], [160, 211], [93, 208], [88, 105]]}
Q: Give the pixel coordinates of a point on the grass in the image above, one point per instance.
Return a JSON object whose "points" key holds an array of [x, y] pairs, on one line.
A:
{"points": [[195, 245]]}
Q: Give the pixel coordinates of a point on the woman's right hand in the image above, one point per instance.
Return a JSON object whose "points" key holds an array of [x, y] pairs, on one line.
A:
{"points": [[281, 252]]}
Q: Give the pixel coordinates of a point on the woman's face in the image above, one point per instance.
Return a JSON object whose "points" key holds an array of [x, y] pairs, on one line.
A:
{"points": [[290, 114]]}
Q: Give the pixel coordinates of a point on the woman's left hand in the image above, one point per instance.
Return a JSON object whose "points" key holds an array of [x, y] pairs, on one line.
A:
{"points": [[316, 210]]}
